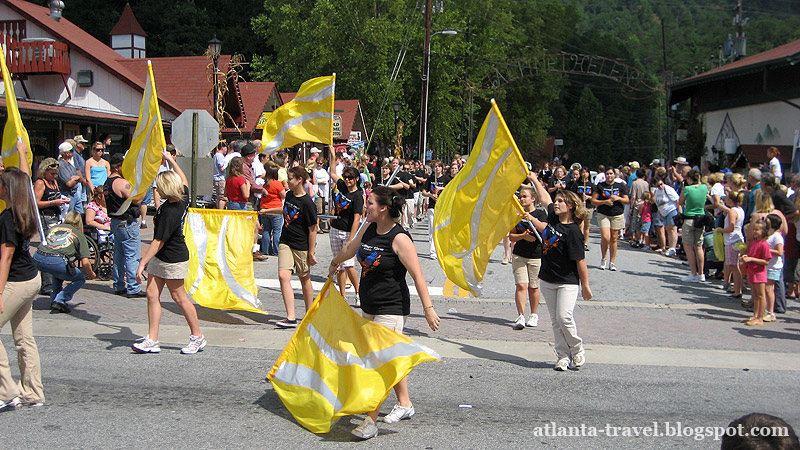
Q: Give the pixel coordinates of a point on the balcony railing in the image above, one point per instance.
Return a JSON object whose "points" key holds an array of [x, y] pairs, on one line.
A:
{"points": [[31, 57]]}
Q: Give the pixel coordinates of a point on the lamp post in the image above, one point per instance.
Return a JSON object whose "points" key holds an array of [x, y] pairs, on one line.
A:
{"points": [[214, 48], [396, 108], [426, 71]]}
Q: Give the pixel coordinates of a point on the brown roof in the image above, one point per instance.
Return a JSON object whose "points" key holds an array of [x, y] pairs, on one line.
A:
{"points": [[84, 43], [58, 111], [127, 23], [254, 97], [757, 154], [348, 109]]}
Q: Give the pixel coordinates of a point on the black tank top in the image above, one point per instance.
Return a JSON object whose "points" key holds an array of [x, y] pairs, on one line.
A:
{"points": [[114, 202], [50, 194], [383, 277]]}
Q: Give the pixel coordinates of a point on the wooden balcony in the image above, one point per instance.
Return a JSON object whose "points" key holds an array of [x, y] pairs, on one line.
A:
{"points": [[32, 57]]}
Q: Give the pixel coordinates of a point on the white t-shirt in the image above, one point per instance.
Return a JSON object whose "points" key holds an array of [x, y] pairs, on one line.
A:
{"points": [[718, 189], [775, 167], [229, 157], [323, 180], [735, 235], [666, 200], [776, 262]]}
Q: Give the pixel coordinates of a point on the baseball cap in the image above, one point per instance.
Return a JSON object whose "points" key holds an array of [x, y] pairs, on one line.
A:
{"points": [[117, 159], [315, 150], [65, 147], [80, 139]]}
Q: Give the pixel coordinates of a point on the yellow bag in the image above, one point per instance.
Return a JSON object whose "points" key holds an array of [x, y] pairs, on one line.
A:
{"points": [[719, 245]]}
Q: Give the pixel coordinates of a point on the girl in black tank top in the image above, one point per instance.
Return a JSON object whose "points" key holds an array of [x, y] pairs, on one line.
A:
{"points": [[386, 253]]}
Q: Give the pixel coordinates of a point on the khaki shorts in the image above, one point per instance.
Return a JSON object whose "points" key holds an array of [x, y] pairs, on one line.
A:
{"points": [[589, 214], [613, 222], [691, 235], [526, 270], [394, 323], [218, 191], [291, 259], [168, 271]]}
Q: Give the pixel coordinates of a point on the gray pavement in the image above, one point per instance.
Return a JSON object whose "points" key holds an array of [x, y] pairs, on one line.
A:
{"points": [[658, 351]]}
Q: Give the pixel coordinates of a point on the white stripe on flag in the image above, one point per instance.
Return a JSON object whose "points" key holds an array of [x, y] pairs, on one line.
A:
{"points": [[306, 377], [227, 275], [200, 237], [276, 142], [318, 96]]}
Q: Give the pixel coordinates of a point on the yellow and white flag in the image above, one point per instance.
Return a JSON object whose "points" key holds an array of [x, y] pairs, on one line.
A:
{"points": [[338, 363], [142, 160], [478, 207], [14, 128], [307, 118], [221, 259]]}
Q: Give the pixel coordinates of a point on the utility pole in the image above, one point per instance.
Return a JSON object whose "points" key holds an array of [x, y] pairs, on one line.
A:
{"points": [[423, 122], [670, 155]]}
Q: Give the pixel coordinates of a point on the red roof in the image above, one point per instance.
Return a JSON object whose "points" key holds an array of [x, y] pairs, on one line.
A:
{"points": [[127, 23], [84, 43], [348, 109], [786, 54], [254, 97]]}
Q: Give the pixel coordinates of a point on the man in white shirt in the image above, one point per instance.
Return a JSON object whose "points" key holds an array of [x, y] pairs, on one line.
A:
{"points": [[218, 193], [322, 179]]}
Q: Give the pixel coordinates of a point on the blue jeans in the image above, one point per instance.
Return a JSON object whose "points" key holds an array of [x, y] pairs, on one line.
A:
{"points": [[127, 254], [271, 236], [56, 266], [236, 206], [75, 201]]}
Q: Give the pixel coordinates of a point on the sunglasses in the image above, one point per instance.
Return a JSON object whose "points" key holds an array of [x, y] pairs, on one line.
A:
{"points": [[347, 177], [53, 166]]}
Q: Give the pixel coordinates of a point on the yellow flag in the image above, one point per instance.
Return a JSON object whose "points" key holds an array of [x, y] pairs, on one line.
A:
{"points": [[338, 363], [478, 207], [142, 160], [307, 118], [14, 128], [221, 259]]}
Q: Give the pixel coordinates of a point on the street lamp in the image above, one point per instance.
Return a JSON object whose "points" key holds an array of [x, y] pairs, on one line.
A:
{"points": [[214, 48], [426, 71], [396, 108]]}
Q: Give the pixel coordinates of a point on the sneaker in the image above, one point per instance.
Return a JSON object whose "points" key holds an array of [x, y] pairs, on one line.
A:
{"points": [[59, 307], [399, 413], [612, 267], [519, 323], [433, 256], [17, 403], [603, 264], [258, 256], [689, 278], [358, 301], [561, 365], [504, 261], [196, 344], [140, 294], [366, 430], [671, 252], [578, 361], [701, 278], [146, 345], [585, 248], [286, 323], [769, 317], [533, 320]]}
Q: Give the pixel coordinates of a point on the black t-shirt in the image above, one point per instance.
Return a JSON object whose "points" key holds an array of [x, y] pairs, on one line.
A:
{"points": [[405, 177], [529, 249], [383, 277], [582, 187], [562, 249], [435, 185], [299, 213], [544, 176], [168, 223], [605, 191], [346, 205], [23, 267], [782, 203], [421, 174]]}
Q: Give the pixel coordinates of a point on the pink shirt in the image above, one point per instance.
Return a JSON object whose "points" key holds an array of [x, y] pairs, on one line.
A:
{"points": [[647, 209], [757, 273]]}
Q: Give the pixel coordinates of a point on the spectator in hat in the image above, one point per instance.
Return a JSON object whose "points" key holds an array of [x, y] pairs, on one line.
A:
{"points": [[70, 179]]}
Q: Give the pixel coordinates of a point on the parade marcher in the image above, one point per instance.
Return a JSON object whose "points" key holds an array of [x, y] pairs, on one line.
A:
{"points": [[609, 197], [693, 200], [49, 201], [526, 259], [348, 204], [420, 177], [64, 245], [167, 261], [583, 186], [297, 248], [96, 167], [19, 283], [386, 253], [125, 229], [271, 224], [434, 186], [563, 270]]}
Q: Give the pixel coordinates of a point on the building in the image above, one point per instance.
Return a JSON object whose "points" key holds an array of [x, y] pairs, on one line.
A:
{"points": [[747, 106]]}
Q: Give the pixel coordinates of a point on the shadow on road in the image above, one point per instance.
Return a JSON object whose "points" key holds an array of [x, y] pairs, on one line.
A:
{"points": [[482, 353]]}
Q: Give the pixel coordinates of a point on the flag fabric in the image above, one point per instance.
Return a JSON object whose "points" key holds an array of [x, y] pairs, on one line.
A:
{"points": [[307, 118], [221, 259], [14, 128], [142, 160], [478, 207], [338, 363]]}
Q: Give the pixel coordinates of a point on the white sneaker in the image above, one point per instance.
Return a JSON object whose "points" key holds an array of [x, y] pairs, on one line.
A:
{"points": [[358, 301], [578, 360], [519, 324], [366, 430], [701, 278], [399, 413], [670, 252], [146, 345], [603, 264], [562, 364], [612, 267], [196, 344], [533, 320]]}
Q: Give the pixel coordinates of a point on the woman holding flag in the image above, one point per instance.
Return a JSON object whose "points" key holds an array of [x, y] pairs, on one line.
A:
{"points": [[386, 252], [563, 269]]}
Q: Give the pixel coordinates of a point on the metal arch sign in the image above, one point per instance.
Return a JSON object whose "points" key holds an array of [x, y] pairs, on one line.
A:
{"points": [[592, 65]]}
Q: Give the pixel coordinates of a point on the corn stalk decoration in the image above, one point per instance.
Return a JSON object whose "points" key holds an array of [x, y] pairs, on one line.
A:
{"points": [[231, 74]]}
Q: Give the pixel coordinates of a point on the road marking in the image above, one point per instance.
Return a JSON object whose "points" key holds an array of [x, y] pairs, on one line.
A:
{"points": [[271, 283], [266, 337]]}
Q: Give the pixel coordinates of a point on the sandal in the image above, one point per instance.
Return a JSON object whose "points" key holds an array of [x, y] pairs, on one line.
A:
{"points": [[736, 296]]}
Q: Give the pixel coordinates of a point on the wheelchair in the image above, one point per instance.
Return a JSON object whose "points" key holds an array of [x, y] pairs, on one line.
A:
{"points": [[101, 252]]}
